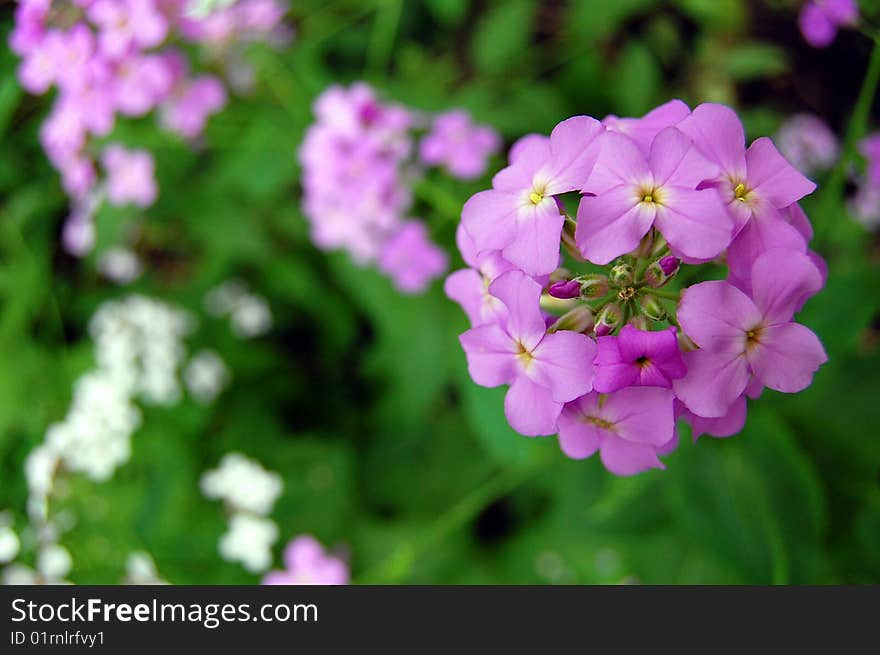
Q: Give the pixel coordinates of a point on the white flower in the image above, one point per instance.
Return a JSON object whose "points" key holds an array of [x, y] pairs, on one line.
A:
{"points": [[141, 569], [9, 544], [120, 265], [206, 376], [54, 562], [243, 484], [19, 574], [249, 540], [251, 317]]}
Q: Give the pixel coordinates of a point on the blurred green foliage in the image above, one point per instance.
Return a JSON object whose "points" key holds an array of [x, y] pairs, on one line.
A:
{"points": [[359, 396]]}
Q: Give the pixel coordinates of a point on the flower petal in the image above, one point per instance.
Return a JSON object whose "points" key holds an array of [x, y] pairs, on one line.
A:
{"points": [[718, 133], [786, 357], [623, 457], [676, 161], [772, 177], [611, 224], [563, 362], [781, 282], [574, 147], [713, 382], [530, 408], [695, 223], [491, 355], [490, 219], [716, 315], [522, 297], [620, 162], [535, 249]]}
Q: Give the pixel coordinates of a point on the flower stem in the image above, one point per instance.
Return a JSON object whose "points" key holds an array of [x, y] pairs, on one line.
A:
{"points": [[397, 566], [858, 125], [664, 293]]}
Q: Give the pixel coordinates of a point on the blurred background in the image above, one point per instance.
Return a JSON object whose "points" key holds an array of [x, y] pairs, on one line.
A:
{"points": [[357, 395]]}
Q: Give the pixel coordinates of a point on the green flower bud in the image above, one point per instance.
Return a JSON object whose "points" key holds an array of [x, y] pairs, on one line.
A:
{"points": [[609, 319], [579, 319], [651, 307], [594, 285], [621, 275]]}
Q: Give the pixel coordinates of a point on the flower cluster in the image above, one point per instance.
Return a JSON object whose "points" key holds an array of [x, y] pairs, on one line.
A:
{"points": [[248, 492], [307, 563], [604, 351], [358, 174], [819, 20], [249, 314], [110, 58]]}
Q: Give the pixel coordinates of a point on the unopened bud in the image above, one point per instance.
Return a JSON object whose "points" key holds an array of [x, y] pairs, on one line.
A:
{"points": [[594, 285], [609, 318], [560, 274], [621, 275], [639, 322], [652, 307], [661, 271], [579, 319], [565, 289]]}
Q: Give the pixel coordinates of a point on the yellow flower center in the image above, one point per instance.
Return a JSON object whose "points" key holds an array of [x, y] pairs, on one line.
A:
{"points": [[740, 192], [535, 198]]}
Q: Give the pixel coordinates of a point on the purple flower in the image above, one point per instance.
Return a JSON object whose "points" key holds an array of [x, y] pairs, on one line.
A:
{"points": [[544, 370], [307, 563], [519, 216], [192, 102], [638, 358], [127, 24], [411, 259], [723, 426], [30, 25], [627, 427], [129, 176], [458, 144], [820, 19], [742, 339], [629, 192], [808, 143]]}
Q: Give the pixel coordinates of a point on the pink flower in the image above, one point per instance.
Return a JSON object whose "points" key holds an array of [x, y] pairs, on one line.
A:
{"points": [[458, 144], [187, 110], [30, 25], [643, 130], [756, 184], [410, 259], [307, 563], [745, 339], [870, 149], [629, 192], [469, 287], [544, 370], [628, 428], [820, 19], [723, 426], [141, 82], [519, 216], [808, 143], [129, 176], [638, 358], [127, 24]]}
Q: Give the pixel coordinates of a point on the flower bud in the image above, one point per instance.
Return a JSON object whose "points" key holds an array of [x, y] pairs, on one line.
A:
{"points": [[560, 274], [565, 289], [609, 318], [579, 319], [621, 275], [652, 307], [594, 285], [661, 271], [639, 322]]}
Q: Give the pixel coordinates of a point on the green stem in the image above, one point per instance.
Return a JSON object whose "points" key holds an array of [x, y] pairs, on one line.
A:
{"points": [[384, 33], [439, 198], [858, 125], [397, 565], [663, 293]]}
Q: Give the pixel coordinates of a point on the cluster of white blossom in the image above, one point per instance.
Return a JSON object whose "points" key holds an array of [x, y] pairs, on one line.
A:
{"points": [[141, 569], [205, 376], [248, 492], [249, 314]]}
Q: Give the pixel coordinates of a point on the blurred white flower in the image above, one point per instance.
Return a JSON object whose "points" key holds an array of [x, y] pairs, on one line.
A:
{"points": [[243, 484], [54, 562], [19, 574], [120, 265], [249, 540], [9, 544], [206, 376], [249, 313], [141, 569]]}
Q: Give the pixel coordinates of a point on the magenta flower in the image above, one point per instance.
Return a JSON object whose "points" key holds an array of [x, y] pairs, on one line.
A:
{"points": [[130, 177], [627, 427], [637, 358], [544, 370], [629, 192], [411, 259], [643, 130], [820, 19], [191, 104], [307, 563], [744, 340], [458, 144], [519, 216], [756, 184], [30, 25]]}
